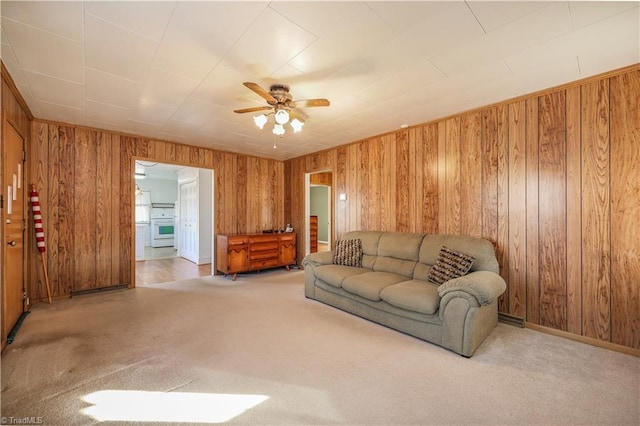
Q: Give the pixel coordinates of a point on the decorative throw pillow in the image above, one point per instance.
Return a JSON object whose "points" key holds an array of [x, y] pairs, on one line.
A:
{"points": [[348, 253], [450, 264]]}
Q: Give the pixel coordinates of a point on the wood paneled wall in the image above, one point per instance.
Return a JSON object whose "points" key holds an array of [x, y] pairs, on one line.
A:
{"points": [[85, 181], [551, 179]]}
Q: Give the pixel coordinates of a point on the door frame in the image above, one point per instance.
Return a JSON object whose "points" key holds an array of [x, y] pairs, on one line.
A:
{"points": [[307, 209], [132, 192]]}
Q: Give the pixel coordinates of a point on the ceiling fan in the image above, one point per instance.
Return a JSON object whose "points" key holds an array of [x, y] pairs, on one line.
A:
{"points": [[282, 106]]}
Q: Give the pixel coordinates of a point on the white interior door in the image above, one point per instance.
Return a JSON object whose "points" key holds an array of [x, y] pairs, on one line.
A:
{"points": [[189, 220]]}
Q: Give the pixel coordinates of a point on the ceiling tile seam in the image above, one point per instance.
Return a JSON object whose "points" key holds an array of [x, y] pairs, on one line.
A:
{"points": [[81, 83], [105, 104], [381, 18], [39, 29], [58, 105], [288, 19], [578, 63], [474, 16], [111, 75], [106, 21], [504, 61], [8, 44]]}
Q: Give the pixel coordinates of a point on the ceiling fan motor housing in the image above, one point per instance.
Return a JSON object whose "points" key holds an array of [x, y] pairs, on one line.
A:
{"points": [[281, 94]]}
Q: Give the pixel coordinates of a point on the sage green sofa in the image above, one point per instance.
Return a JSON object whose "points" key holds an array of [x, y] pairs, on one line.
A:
{"points": [[391, 287]]}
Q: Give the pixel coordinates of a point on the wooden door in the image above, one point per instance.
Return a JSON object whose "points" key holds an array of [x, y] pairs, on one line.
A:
{"points": [[14, 217], [189, 220]]}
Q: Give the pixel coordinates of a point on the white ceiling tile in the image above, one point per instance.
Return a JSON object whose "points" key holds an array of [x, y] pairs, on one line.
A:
{"points": [[565, 70], [439, 33], [345, 43], [584, 13], [407, 80], [61, 113], [43, 52], [258, 53], [223, 86], [10, 61], [152, 112], [411, 14], [181, 128], [198, 113], [623, 53], [165, 88], [201, 33], [147, 18], [110, 89], [508, 39], [315, 17], [115, 50], [469, 80], [25, 92], [619, 33], [137, 127], [99, 112], [55, 90], [67, 22], [494, 14]]}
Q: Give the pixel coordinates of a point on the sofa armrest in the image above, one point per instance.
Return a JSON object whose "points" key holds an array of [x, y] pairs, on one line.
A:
{"points": [[485, 286], [317, 259]]}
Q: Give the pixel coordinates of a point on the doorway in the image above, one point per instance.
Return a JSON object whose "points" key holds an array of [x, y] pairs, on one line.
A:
{"points": [[174, 228], [318, 211], [14, 219]]}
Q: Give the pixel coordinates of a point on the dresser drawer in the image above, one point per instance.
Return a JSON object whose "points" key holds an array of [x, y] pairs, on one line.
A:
{"points": [[265, 238], [237, 241], [263, 246], [266, 263], [261, 255], [287, 237]]}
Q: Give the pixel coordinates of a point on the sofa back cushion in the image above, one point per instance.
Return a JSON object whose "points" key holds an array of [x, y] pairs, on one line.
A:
{"points": [[370, 241], [398, 253], [482, 250]]}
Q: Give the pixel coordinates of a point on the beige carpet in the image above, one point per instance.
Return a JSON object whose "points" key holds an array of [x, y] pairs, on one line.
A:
{"points": [[255, 351]]}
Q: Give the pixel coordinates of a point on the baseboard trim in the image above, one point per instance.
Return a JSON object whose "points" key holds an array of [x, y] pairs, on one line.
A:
{"points": [[12, 334], [98, 290], [583, 339], [511, 319]]}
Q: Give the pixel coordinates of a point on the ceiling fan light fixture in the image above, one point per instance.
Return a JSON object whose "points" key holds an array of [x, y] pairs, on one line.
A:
{"points": [[296, 125], [278, 129], [260, 120], [282, 117], [281, 106]]}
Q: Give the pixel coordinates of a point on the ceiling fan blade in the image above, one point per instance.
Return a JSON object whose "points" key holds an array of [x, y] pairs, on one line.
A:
{"points": [[254, 109], [311, 103], [260, 91], [298, 114]]}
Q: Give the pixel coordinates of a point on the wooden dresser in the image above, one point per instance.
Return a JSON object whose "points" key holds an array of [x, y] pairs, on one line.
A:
{"points": [[253, 252]]}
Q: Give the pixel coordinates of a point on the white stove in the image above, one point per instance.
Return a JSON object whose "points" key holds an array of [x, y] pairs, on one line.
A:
{"points": [[162, 225]]}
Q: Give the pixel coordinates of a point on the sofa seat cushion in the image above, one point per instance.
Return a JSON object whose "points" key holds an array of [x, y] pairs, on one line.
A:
{"points": [[370, 284], [335, 274], [414, 295]]}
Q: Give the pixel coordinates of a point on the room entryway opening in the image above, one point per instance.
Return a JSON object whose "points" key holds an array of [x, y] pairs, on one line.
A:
{"points": [[318, 211], [174, 222]]}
